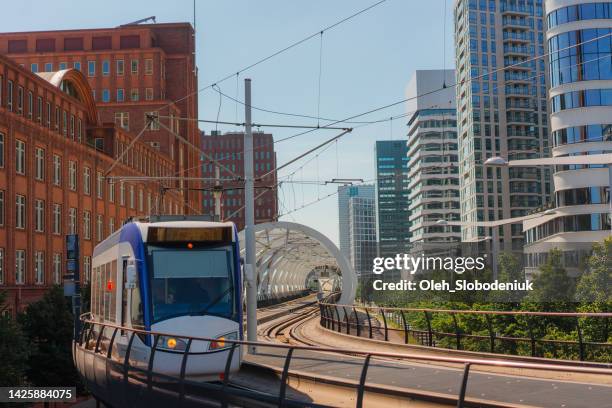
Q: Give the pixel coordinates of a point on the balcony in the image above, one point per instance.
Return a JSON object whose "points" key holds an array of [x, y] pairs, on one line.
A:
{"points": [[516, 10], [520, 50], [510, 36]]}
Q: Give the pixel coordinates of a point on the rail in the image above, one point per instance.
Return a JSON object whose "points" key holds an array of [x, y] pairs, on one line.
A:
{"points": [[90, 339], [358, 320]]}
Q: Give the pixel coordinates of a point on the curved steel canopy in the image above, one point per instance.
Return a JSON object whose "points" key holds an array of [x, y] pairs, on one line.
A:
{"points": [[287, 253]]}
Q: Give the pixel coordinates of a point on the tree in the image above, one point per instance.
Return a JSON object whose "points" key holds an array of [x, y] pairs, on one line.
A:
{"points": [[553, 288], [13, 350], [48, 325]]}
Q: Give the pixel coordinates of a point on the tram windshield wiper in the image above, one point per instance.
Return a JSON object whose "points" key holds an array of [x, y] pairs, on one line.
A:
{"points": [[214, 302]]}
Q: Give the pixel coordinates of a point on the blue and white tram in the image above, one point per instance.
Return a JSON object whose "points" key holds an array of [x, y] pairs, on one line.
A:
{"points": [[178, 277]]}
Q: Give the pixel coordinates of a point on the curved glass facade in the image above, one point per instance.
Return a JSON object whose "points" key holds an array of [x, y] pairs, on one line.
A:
{"points": [[583, 196], [579, 12], [591, 60], [570, 223], [581, 99], [582, 134]]}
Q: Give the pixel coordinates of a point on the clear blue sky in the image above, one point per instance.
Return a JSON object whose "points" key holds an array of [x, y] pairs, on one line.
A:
{"points": [[367, 63]]}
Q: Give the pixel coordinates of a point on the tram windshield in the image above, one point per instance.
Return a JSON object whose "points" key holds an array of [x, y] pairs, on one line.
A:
{"points": [[195, 282]]}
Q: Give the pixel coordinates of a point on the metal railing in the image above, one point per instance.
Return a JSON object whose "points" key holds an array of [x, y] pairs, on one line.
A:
{"points": [[365, 321], [226, 394]]}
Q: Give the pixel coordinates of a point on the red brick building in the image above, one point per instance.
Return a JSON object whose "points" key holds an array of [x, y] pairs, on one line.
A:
{"points": [[54, 151], [133, 70], [228, 149]]}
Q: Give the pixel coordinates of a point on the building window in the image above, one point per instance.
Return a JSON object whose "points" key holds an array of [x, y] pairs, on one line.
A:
{"points": [[132, 197], [39, 267], [91, 68], [105, 68], [1, 147], [79, 129], [20, 211], [57, 267], [40, 163], [87, 268], [34, 67], [120, 67], [134, 66], [86, 225], [149, 94], [140, 200], [122, 119], [20, 100], [111, 225], [9, 95], [77, 65], [105, 95], [100, 184], [65, 123], [111, 191], [99, 227], [72, 175], [148, 66], [120, 95], [57, 219], [154, 124], [57, 170], [49, 67], [57, 118], [63, 66], [39, 109], [48, 115], [87, 180], [30, 104], [122, 193], [72, 126], [134, 96], [39, 212], [72, 219], [20, 164], [20, 266], [1, 266]]}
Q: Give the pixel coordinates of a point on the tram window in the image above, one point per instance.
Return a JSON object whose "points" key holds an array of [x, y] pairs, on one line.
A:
{"points": [[136, 307], [124, 310], [101, 291], [94, 292], [112, 287], [107, 294]]}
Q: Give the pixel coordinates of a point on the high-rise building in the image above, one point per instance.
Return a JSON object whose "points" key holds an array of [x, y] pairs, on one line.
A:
{"points": [[54, 153], [344, 195], [392, 201], [500, 112], [134, 71], [362, 234], [581, 124], [228, 149], [432, 148]]}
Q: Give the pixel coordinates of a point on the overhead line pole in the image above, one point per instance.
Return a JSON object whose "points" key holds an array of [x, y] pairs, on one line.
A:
{"points": [[249, 215]]}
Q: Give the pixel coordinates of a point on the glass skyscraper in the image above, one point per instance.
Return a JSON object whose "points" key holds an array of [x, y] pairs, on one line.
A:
{"points": [[500, 112], [392, 198], [345, 193]]}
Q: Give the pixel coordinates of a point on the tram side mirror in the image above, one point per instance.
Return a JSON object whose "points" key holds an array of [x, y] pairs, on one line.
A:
{"points": [[130, 272]]}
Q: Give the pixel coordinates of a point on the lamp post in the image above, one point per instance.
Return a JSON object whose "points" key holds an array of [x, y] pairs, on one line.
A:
{"points": [[592, 159], [494, 232]]}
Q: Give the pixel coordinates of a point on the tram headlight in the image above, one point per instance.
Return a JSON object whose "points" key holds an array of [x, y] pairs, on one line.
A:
{"points": [[221, 342], [171, 343]]}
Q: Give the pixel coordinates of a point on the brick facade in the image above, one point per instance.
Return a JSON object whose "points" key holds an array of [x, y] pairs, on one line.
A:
{"points": [[132, 70], [50, 178], [228, 149]]}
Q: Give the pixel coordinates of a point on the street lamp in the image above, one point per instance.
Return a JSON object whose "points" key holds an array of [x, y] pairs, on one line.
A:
{"points": [[590, 159], [494, 231]]}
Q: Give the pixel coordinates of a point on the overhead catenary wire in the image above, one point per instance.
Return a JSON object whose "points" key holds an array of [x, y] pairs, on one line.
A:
{"points": [[276, 53]]}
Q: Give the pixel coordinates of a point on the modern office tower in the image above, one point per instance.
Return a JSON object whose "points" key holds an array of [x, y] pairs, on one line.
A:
{"points": [[228, 149], [500, 112], [432, 148], [392, 201], [362, 234], [133, 70], [581, 124], [345, 193]]}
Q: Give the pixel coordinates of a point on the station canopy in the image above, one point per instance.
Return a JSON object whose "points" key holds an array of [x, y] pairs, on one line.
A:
{"points": [[288, 255]]}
